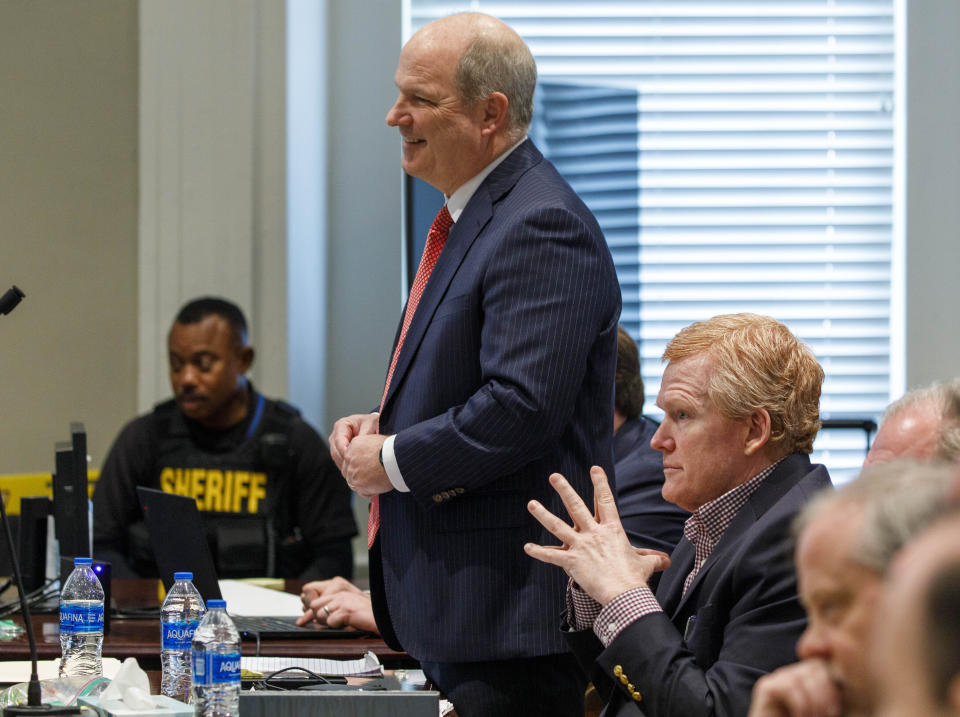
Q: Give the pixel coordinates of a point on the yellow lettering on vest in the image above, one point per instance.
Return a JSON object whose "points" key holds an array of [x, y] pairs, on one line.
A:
{"points": [[258, 490], [217, 490], [240, 489], [181, 481], [227, 490], [166, 480], [214, 490], [197, 476]]}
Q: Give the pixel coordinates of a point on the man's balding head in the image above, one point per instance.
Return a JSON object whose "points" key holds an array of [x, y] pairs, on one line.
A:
{"points": [[924, 424], [466, 87], [488, 56]]}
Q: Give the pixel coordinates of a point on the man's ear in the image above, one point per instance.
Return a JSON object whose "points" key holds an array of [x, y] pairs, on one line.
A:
{"points": [[246, 358], [758, 433], [494, 113]]}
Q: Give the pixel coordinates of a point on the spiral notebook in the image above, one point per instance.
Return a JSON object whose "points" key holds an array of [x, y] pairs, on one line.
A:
{"points": [[179, 545]]}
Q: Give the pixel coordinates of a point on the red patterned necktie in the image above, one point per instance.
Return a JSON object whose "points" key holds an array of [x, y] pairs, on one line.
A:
{"points": [[431, 251]]}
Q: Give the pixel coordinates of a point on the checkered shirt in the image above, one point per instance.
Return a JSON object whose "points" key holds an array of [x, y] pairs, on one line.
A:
{"points": [[703, 529]]}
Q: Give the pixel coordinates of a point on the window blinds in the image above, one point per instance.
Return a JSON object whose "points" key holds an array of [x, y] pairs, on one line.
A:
{"points": [[739, 156]]}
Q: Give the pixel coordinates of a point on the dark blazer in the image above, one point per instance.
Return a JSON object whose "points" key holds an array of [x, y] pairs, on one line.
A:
{"points": [[740, 618], [650, 521], [505, 376]]}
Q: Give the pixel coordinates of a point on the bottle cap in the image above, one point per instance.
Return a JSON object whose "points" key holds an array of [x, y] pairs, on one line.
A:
{"points": [[214, 604], [82, 561], [183, 576]]}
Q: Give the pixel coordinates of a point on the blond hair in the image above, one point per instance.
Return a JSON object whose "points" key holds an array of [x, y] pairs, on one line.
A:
{"points": [[758, 363]]}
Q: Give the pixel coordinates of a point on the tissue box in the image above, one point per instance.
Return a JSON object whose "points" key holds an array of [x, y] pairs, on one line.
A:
{"points": [[163, 705]]}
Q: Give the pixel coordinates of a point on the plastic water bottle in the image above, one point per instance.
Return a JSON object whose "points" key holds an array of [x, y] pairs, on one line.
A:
{"points": [[216, 664], [179, 617], [81, 622]]}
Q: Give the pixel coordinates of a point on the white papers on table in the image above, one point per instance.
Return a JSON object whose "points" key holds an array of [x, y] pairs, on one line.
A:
{"points": [[247, 599], [366, 666]]}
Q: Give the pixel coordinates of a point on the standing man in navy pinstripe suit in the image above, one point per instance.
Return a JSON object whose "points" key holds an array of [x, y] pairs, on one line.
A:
{"points": [[502, 373]]}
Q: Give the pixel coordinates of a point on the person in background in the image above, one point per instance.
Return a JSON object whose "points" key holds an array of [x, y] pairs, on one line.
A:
{"points": [[272, 500], [916, 653], [923, 424], [649, 520], [740, 396], [846, 542], [501, 372]]}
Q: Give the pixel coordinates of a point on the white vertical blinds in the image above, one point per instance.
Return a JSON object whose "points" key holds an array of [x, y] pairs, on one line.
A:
{"points": [[739, 156]]}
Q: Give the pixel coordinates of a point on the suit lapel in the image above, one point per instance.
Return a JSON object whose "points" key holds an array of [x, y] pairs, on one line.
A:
{"points": [[671, 584], [769, 492], [464, 233], [741, 522]]}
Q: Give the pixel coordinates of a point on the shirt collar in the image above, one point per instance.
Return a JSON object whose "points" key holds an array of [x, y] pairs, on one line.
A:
{"points": [[457, 201], [712, 519]]}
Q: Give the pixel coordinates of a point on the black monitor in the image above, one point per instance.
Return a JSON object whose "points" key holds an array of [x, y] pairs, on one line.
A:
{"points": [[32, 546], [70, 497]]}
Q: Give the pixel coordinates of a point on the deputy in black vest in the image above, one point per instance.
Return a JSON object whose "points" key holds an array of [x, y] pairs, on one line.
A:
{"points": [[273, 501]]}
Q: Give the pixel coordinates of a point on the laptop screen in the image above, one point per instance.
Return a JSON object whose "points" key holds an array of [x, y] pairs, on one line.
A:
{"points": [[178, 540]]}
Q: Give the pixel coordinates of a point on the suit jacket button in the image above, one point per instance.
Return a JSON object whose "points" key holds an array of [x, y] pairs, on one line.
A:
{"points": [[636, 696], [617, 670], [437, 498], [461, 491]]}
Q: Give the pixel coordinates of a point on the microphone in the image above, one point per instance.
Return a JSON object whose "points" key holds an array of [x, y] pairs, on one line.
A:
{"points": [[8, 303], [10, 299]]}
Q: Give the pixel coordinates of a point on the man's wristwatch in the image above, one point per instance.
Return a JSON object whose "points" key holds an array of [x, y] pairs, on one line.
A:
{"points": [[380, 456]]}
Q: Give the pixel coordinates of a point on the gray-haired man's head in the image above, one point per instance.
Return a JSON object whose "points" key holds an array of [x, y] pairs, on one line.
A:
{"points": [[923, 424], [846, 541]]}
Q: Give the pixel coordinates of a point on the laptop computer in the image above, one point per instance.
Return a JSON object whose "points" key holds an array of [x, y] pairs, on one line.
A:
{"points": [[179, 544]]}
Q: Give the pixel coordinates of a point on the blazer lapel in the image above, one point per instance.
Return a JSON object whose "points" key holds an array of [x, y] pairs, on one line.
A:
{"points": [[473, 219], [741, 522], [671, 584], [769, 492]]}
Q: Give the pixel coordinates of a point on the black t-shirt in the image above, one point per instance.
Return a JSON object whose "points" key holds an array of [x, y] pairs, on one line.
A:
{"points": [[224, 471]]}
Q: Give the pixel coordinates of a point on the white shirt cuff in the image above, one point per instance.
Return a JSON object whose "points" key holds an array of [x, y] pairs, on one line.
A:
{"points": [[391, 467]]}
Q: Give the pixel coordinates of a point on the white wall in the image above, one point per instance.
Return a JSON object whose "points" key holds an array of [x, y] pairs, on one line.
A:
{"points": [[364, 225], [214, 200], [68, 225], [212, 175], [933, 191]]}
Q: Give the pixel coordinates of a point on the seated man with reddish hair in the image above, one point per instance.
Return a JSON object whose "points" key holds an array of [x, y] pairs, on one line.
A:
{"points": [[740, 396]]}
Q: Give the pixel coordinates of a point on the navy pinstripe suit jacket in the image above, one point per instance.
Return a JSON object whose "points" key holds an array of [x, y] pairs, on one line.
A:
{"points": [[505, 376]]}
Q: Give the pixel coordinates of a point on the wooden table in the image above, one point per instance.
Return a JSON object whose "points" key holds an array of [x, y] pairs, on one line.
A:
{"points": [[140, 637]]}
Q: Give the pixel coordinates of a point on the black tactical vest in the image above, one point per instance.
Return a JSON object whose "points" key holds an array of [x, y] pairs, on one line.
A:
{"points": [[244, 493]]}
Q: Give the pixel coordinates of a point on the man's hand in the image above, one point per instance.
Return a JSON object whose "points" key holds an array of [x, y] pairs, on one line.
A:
{"points": [[325, 588], [337, 602], [361, 466], [595, 552], [348, 428], [804, 689]]}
